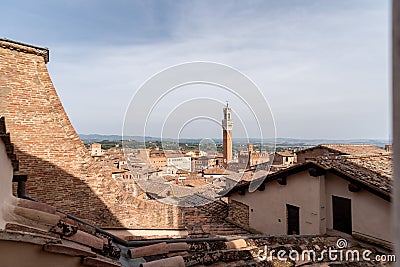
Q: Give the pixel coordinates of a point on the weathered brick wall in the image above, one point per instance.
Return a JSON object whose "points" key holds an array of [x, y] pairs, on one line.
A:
{"points": [[59, 167], [303, 156], [239, 213], [202, 221]]}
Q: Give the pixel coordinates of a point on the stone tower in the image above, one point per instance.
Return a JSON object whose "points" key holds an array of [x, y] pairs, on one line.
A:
{"points": [[227, 134]]}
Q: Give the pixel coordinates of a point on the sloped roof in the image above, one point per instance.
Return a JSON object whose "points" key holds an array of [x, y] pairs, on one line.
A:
{"points": [[26, 48], [217, 171], [41, 224], [236, 251], [354, 149], [285, 154], [372, 172], [348, 149]]}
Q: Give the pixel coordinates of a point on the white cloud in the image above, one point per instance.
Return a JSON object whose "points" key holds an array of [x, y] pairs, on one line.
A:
{"points": [[324, 71]]}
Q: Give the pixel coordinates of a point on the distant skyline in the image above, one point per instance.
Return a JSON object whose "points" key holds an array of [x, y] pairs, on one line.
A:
{"points": [[323, 66]]}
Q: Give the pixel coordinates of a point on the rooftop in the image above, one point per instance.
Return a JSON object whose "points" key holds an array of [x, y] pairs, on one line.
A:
{"points": [[25, 48], [374, 170], [285, 154], [349, 149]]}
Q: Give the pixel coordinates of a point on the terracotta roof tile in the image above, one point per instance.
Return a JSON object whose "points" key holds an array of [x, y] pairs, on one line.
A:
{"points": [[42, 219], [285, 154], [26, 229], [374, 170], [354, 149], [156, 249], [34, 238], [86, 239], [42, 225], [36, 206]]}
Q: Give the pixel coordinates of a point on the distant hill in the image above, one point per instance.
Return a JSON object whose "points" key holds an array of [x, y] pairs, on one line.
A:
{"points": [[279, 140]]}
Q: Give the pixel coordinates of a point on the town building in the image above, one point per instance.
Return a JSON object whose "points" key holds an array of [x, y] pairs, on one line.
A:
{"points": [[251, 158], [180, 162], [284, 158], [95, 150], [347, 193], [202, 163]]}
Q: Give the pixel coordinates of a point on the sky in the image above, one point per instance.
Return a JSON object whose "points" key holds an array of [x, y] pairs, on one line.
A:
{"points": [[323, 66]]}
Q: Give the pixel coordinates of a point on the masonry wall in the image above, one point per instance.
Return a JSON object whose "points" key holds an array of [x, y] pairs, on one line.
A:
{"points": [[204, 222], [302, 156], [239, 213], [59, 168]]}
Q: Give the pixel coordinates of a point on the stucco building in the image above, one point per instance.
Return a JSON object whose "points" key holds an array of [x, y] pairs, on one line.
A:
{"points": [[350, 194]]}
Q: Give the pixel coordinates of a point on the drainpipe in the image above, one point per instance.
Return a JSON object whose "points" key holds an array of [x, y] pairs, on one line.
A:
{"points": [[21, 180]]}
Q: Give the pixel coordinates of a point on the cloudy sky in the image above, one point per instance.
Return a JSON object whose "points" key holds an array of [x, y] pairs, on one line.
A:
{"points": [[322, 65]]}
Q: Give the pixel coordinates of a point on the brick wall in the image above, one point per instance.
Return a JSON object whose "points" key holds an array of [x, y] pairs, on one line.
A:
{"points": [[201, 223], [312, 153], [239, 213], [59, 168]]}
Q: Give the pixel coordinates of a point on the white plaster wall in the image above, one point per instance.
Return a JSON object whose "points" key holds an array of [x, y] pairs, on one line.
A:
{"points": [[6, 175], [371, 215], [269, 206]]}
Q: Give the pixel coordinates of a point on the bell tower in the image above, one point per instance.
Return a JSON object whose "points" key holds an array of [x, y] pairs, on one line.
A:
{"points": [[227, 134]]}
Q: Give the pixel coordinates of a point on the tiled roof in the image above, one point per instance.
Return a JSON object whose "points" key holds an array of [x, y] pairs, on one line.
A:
{"points": [[194, 182], [285, 154], [353, 149], [40, 224], [217, 171], [25, 48], [244, 251], [374, 170], [176, 194]]}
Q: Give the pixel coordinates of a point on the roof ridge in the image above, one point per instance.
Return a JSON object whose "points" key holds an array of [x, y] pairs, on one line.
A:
{"points": [[25, 48]]}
